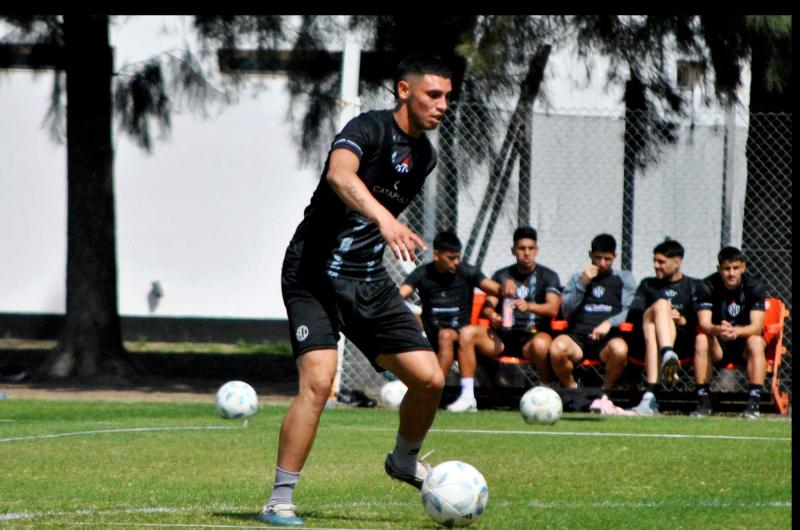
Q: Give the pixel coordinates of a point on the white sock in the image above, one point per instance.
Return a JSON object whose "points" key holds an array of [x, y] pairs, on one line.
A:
{"points": [[283, 487], [467, 388], [405, 454]]}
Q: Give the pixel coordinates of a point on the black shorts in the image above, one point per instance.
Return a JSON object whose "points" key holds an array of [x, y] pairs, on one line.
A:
{"points": [[733, 351], [684, 342], [371, 314], [592, 348], [514, 341], [432, 331]]}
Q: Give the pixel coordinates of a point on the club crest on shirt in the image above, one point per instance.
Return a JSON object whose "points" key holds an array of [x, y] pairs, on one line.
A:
{"points": [[598, 291], [670, 293], [301, 333], [734, 309], [404, 166], [522, 291]]}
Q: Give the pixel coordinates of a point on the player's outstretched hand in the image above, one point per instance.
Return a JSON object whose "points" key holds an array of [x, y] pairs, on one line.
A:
{"points": [[402, 241]]}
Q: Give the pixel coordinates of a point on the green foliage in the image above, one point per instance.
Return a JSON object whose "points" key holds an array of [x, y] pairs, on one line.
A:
{"points": [[193, 468]]}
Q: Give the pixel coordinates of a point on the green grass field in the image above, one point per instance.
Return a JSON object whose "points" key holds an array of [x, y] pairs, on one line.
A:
{"points": [[145, 465]]}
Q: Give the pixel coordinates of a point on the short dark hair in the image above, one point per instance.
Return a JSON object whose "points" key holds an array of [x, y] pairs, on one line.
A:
{"points": [[524, 232], [730, 254], [447, 240], [670, 248], [604, 243], [421, 64]]}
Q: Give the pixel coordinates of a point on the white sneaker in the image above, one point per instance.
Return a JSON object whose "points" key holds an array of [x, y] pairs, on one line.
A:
{"points": [[280, 515], [648, 406], [669, 366], [463, 404]]}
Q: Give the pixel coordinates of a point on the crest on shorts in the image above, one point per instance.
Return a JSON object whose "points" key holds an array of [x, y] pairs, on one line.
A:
{"points": [[598, 291], [734, 309], [301, 333]]}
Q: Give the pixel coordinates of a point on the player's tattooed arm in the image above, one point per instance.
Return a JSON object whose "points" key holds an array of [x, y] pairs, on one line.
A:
{"points": [[345, 182]]}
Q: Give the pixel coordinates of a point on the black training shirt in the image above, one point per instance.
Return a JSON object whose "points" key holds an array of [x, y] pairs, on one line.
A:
{"points": [[531, 287], [733, 306], [446, 298], [336, 238], [679, 293]]}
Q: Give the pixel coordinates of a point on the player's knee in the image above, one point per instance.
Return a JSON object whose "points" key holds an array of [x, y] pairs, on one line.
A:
{"points": [[433, 382], [662, 305], [756, 344], [540, 345], [468, 334], [557, 348], [447, 336], [701, 344], [618, 349], [318, 388]]}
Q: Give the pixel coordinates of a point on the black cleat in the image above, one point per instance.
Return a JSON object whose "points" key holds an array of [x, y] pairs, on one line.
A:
{"points": [[415, 479]]}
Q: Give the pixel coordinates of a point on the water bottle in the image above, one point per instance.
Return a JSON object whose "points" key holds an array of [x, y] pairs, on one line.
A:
{"points": [[508, 313]]}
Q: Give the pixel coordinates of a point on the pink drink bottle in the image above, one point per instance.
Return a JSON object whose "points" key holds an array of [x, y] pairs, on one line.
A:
{"points": [[508, 313]]}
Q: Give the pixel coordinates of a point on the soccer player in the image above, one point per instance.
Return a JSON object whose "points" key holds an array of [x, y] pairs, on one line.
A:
{"points": [[536, 299], [595, 303], [668, 321], [730, 312], [333, 278], [445, 288]]}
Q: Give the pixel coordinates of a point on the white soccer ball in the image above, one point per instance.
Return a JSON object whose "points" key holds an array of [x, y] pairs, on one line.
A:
{"points": [[541, 405], [454, 494], [236, 399], [392, 394]]}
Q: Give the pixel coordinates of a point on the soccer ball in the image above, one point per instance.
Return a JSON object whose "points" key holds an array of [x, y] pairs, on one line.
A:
{"points": [[541, 405], [454, 494], [392, 394], [236, 399]]}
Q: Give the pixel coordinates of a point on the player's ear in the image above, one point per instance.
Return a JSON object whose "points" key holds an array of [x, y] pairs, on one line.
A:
{"points": [[403, 89]]}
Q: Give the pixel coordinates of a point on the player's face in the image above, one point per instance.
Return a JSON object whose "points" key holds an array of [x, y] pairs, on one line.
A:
{"points": [[525, 251], [427, 97], [731, 272], [666, 268], [603, 261], [447, 260]]}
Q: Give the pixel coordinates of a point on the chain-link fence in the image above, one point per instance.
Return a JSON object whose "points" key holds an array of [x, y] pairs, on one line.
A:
{"points": [[706, 181]]}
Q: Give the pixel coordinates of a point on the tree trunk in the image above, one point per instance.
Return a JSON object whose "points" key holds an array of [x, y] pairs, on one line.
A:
{"points": [[516, 141], [91, 341], [635, 135], [447, 183]]}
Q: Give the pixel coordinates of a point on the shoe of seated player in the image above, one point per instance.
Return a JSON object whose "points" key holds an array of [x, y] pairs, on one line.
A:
{"points": [[648, 406], [669, 366], [703, 409], [280, 515], [463, 404], [751, 411], [415, 479]]}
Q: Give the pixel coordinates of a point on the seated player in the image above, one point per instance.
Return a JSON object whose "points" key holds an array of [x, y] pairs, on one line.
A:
{"points": [[595, 303], [668, 321], [445, 288], [535, 293], [730, 312]]}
